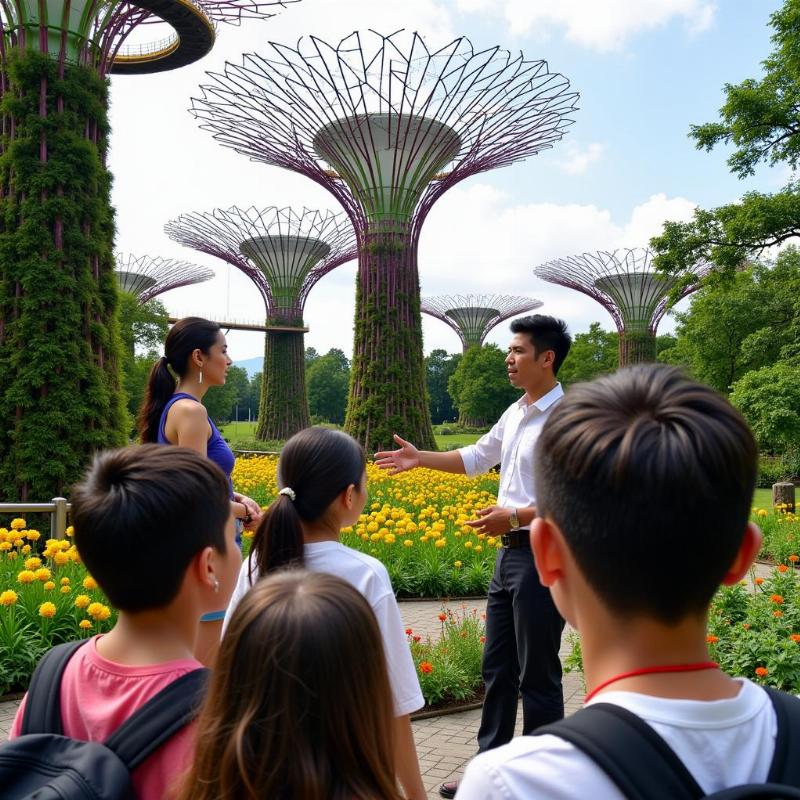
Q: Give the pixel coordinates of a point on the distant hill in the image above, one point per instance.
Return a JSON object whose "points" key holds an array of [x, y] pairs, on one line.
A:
{"points": [[251, 365]]}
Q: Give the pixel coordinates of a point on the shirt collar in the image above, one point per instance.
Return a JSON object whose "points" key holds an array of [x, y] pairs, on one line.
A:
{"points": [[545, 401]]}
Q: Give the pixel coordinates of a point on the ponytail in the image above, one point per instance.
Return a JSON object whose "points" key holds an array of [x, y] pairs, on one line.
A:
{"points": [[315, 467], [278, 543], [185, 336], [160, 387]]}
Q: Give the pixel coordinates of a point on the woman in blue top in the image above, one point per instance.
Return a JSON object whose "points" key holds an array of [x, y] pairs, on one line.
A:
{"points": [[172, 413]]}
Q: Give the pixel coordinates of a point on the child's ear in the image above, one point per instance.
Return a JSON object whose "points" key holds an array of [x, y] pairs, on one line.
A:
{"points": [[746, 555], [203, 567], [347, 496], [547, 545]]}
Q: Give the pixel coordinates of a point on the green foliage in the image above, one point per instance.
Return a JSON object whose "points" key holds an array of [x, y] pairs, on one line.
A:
{"points": [[439, 366], [592, 354], [221, 401], [480, 387], [774, 469], [769, 398], [761, 119], [449, 668], [283, 410], [60, 392], [327, 378], [740, 323]]}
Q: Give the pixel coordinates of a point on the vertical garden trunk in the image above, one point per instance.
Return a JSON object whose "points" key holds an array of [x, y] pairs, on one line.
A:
{"points": [[636, 348], [283, 410], [387, 382], [60, 396]]}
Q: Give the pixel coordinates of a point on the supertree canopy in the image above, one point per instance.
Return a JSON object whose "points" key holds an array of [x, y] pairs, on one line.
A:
{"points": [[58, 294], [472, 316], [387, 125], [146, 277], [284, 253], [626, 285]]}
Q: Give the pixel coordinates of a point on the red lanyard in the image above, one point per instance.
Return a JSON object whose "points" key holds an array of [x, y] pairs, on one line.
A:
{"points": [[650, 671]]}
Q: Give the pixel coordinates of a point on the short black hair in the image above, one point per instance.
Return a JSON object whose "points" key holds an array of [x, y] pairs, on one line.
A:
{"points": [[141, 514], [546, 333], [650, 476]]}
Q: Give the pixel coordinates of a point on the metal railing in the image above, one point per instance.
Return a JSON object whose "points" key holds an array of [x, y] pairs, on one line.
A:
{"points": [[58, 508]]}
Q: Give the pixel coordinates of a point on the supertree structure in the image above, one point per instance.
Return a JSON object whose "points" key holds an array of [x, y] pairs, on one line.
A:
{"points": [[146, 277], [58, 293], [387, 125], [284, 252], [626, 285], [472, 316]]}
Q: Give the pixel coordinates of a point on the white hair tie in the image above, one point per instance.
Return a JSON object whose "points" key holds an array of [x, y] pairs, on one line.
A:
{"points": [[289, 493]]}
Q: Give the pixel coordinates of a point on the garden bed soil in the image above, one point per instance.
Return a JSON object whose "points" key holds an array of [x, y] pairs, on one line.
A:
{"points": [[451, 706]]}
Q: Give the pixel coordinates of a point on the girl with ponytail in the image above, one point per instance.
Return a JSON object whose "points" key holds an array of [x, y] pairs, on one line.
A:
{"points": [[195, 358], [323, 488]]}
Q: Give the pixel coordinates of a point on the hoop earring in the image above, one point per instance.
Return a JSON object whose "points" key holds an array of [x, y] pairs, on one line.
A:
{"points": [[200, 377]]}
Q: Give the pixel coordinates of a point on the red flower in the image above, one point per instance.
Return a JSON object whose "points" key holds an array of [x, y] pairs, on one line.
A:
{"points": [[759, 581], [442, 616], [409, 631], [711, 639], [762, 672], [426, 667], [795, 637], [416, 638], [776, 598], [794, 559], [483, 639], [777, 613], [783, 568], [746, 626]]}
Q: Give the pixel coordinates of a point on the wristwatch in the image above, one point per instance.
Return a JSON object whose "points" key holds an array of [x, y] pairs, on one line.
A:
{"points": [[513, 520]]}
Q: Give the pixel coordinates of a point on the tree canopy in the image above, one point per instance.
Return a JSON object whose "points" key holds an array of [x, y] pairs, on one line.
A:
{"points": [[439, 366], [761, 119], [327, 381]]}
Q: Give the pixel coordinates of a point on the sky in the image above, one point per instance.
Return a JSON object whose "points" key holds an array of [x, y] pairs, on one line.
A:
{"points": [[646, 70]]}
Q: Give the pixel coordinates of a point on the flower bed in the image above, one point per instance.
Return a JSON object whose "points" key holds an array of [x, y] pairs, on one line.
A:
{"points": [[413, 523], [781, 529]]}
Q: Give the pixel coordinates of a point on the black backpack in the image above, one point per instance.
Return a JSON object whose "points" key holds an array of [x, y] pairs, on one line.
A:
{"points": [[44, 764], [644, 766]]}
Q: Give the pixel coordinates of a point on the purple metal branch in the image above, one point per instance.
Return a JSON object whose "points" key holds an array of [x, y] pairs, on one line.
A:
{"points": [[472, 316], [147, 277], [624, 283], [476, 110], [282, 251]]}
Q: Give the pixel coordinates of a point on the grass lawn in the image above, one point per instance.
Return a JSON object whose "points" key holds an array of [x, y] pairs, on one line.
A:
{"points": [[763, 499]]}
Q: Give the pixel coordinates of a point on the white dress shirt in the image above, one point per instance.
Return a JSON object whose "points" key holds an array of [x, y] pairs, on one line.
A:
{"points": [[510, 443]]}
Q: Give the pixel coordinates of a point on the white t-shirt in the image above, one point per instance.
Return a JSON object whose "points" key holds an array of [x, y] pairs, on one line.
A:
{"points": [[722, 743], [370, 577]]}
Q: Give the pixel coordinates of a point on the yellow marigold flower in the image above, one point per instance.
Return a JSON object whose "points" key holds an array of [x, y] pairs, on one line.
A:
{"points": [[12, 555], [25, 549], [761, 512], [65, 590], [43, 574], [47, 609], [60, 558], [70, 531], [18, 542], [408, 543], [98, 611], [89, 583], [85, 624], [468, 545], [8, 597], [5, 546], [49, 585], [33, 563], [457, 564], [82, 600], [441, 543], [33, 535], [389, 538], [17, 524], [64, 581], [26, 576]]}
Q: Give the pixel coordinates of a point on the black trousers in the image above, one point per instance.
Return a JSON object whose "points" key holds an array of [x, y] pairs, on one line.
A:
{"points": [[523, 636]]}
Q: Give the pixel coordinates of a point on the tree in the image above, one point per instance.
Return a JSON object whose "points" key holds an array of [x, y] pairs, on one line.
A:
{"points": [[761, 118], [740, 323], [439, 366], [328, 378], [479, 386], [592, 354], [221, 401], [769, 398], [311, 355]]}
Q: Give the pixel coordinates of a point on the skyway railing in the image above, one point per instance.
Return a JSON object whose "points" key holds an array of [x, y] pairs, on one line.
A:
{"points": [[58, 508]]}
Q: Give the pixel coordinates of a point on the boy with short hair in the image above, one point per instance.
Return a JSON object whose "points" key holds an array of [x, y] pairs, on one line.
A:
{"points": [[645, 480], [154, 527]]}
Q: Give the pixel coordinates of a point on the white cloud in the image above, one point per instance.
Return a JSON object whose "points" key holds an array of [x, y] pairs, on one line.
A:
{"points": [[602, 25], [579, 158]]}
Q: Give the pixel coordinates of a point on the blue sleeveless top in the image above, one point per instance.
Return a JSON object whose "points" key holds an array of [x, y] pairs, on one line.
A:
{"points": [[217, 448]]}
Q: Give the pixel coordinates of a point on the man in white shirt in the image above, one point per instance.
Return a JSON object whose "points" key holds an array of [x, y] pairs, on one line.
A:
{"points": [[633, 552], [523, 626]]}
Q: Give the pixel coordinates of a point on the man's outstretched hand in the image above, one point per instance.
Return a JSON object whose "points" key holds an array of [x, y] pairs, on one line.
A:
{"points": [[407, 457]]}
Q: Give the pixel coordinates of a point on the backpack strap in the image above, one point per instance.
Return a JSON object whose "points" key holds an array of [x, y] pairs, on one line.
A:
{"points": [[162, 716], [785, 766], [629, 751], [43, 701]]}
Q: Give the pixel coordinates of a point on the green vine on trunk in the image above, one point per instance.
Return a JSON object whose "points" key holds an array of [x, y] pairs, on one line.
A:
{"points": [[60, 395], [283, 410]]}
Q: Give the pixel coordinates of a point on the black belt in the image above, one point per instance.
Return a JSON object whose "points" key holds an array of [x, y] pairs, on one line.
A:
{"points": [[514, 539]]}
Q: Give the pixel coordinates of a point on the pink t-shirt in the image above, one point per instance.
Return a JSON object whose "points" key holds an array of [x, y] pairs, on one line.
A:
{"points": [[98, 695]]}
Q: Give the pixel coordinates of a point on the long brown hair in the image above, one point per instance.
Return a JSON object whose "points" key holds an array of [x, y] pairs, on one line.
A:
{"points": [[318, 464], [299, 704], [185, 336]]}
